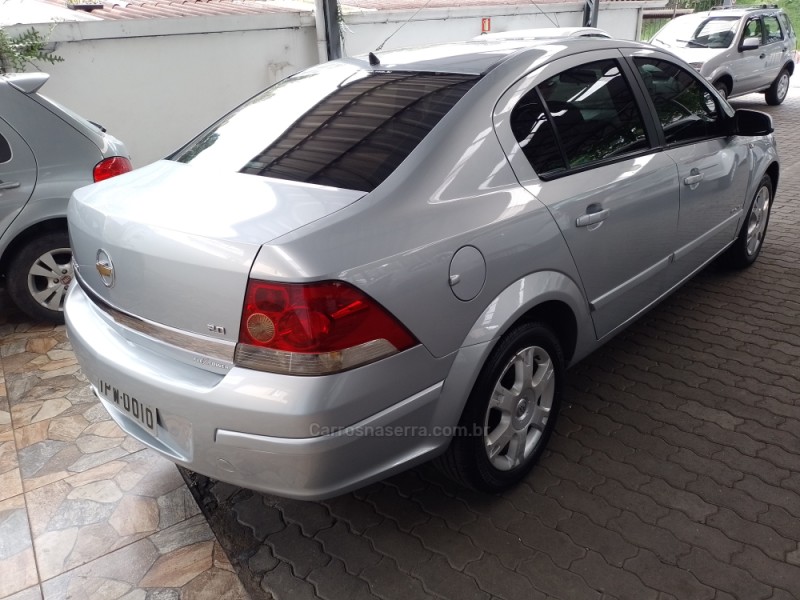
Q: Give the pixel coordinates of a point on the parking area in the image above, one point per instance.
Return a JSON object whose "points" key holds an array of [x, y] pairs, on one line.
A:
{"points": [[674, 474]]}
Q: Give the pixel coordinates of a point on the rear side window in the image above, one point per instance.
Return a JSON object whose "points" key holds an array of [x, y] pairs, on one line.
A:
{"points": [[686, 109], [591, 115], [787, 25], [353, 137]]}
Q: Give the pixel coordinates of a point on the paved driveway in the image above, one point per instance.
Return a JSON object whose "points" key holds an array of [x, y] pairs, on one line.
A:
{"points": [[675, 471]]}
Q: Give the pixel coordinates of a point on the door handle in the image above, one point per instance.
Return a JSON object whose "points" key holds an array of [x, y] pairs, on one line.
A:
{"points": [[693, 179], [9, 185], [590, 218]]}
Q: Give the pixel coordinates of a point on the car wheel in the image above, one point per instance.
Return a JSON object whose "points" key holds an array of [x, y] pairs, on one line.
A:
{"points": [[39, 275], [510, 413], [722, 88], [747, 246], [779, 88]]}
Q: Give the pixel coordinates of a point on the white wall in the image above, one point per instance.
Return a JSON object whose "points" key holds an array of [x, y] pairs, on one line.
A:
{"points": [[155, 83]]}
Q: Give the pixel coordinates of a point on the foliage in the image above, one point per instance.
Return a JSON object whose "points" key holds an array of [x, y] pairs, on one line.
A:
{"points": [[18, 51]]}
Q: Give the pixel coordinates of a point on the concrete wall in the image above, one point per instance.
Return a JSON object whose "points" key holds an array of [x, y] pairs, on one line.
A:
{"points": [[364, 32], [155, 83]]}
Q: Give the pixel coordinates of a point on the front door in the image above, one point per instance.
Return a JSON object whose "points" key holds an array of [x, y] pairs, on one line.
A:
{"points": [[712, 167]]}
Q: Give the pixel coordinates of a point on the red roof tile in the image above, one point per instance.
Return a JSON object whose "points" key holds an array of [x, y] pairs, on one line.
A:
{"points": [[150, 9]]}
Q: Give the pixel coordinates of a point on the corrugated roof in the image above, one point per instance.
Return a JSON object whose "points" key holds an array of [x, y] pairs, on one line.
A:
{"points": [[415, 4], [150, 9]]}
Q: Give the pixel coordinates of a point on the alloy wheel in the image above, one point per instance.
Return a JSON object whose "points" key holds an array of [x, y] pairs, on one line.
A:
{"points": [[757, 223], [519, 408], [49, 278]]}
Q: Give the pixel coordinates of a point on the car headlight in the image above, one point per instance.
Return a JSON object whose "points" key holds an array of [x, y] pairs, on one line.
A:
{"points": [[696, 65]]}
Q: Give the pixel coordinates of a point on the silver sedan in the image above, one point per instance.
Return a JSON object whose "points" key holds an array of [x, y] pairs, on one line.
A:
{"points": [[388, 259]]}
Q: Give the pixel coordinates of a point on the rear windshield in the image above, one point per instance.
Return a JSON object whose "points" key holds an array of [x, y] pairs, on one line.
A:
{"points": [[337, 126]]}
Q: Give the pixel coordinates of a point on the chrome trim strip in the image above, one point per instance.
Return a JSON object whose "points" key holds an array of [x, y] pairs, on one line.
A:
{"points": [[183, 340]]}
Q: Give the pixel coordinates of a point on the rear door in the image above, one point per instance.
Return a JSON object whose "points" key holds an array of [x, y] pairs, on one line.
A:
{"points": [[577, 140], [17, 174], [776, 46], [713, 168]]}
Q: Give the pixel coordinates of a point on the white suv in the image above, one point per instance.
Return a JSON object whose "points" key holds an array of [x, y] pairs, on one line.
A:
{"points": [[740, 51]]}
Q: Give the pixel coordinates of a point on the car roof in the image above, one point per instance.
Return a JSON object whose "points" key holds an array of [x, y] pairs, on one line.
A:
{"points": [[481, 55], [545, 32], [739, 12]]}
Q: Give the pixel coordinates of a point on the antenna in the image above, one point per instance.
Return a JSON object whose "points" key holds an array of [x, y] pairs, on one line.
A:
{"points": [[391, 35], [374, 60]]}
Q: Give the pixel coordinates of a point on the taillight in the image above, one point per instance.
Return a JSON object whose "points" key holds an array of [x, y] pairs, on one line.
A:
{"points": [[315, 328], [111, 167]]}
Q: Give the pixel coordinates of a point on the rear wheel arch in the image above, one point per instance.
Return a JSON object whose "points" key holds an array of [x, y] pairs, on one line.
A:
{"points": [[24, 237], [553, 299]]}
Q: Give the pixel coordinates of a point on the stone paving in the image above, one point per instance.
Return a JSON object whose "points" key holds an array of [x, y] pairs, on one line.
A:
{"points": [[674, 474], [87, 512]]}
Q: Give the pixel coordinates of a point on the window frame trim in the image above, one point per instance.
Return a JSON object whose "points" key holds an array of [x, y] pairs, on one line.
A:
{"points": [[522, 168]]}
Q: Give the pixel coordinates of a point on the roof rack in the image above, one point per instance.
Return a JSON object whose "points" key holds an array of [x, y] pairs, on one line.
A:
{"points": [[753, 7]]}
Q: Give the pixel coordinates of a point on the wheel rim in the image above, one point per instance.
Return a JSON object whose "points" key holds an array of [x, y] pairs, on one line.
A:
{"points": [[723, 91], [519, 408], [49, 277], [757, 223], [783, 85]]}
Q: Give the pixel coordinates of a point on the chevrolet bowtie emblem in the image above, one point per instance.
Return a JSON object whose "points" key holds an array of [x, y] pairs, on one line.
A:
{"points": [[105, 268]]}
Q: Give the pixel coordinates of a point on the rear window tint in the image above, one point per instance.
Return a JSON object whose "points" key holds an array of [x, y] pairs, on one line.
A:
{"points": [[354, 137]]}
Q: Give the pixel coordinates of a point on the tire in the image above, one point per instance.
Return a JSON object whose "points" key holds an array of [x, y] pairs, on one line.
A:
{"points": [[750, 240], [499, 441], [722, 88], [779, 89], [39, 275]]}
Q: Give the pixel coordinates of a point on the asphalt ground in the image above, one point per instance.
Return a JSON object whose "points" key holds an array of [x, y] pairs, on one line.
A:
{"points": [[674, 471]]}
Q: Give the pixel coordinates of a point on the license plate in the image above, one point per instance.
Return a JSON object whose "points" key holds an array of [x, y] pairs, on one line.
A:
{"points": [[137, 410]]}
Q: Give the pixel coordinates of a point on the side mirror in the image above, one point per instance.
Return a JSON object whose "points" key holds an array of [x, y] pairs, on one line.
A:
{"points": [[750, 123], [751, 44]]}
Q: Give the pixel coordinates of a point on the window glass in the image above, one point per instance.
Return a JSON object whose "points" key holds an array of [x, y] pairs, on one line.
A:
{"points": [[5, 150], [787, 25], [350, 133], [534, 132], [753, 29], [714, 33], [773, 29], [685, 107], [593, 112]]}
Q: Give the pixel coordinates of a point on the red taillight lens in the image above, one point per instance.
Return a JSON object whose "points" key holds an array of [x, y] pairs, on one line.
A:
{"points": [[316, 328], [111, 167]]}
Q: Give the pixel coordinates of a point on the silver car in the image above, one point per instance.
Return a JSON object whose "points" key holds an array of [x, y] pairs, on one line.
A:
{"points": [[46, 152], [387, 259], [740, 51]]}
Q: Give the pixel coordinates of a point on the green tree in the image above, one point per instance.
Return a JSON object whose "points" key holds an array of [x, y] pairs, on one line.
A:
{"points": [[18, 51]]}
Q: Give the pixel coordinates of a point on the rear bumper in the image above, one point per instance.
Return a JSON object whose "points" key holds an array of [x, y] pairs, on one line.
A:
{"points": [[299, 437]]}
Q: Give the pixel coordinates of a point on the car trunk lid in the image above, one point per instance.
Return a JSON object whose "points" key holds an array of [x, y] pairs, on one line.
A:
{"points": [[174, 244]]}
